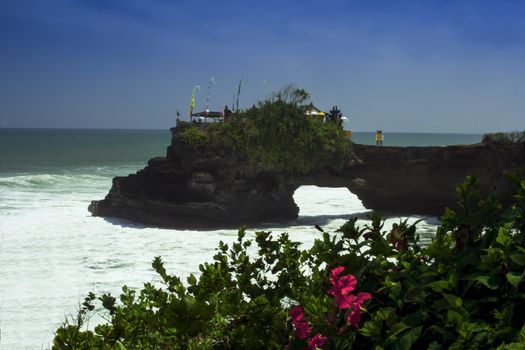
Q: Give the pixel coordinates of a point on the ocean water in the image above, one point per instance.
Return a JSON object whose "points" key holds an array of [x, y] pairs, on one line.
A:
{"points": [[53, 252]]}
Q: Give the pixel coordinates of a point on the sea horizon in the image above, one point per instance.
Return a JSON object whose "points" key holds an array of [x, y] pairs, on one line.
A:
{"points": [[168, 128]]}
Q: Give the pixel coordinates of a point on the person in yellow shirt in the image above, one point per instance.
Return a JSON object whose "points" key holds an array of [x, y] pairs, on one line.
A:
{"points": [[379, 138]]}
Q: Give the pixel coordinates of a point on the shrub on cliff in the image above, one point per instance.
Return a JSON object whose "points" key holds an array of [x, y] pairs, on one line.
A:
{"points": [[277, 135], [359, 288], [281, 137], [505, 139], [194, 136]]}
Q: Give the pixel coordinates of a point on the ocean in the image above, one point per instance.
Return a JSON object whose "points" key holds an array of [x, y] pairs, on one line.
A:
{"points": [[53, 252]]}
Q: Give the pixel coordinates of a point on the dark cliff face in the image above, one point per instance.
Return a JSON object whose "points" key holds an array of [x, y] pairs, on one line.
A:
{"points": [[206, 187], [421, 180], [210, 187]]}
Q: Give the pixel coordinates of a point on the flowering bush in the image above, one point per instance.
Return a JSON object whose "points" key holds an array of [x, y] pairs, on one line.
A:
{"points": [[340, 289], [465, 290]]}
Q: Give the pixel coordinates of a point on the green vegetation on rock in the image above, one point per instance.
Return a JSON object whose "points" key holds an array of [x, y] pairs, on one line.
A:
{"points": [[505, 140], [277, 135], [358, 288], [194, 136]]}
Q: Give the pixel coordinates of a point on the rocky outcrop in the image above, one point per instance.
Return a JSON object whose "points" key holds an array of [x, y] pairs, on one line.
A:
{"points": [[213, 187], [421, 180], [205, 187]]}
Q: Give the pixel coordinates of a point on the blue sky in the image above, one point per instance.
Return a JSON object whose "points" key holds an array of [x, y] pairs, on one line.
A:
{"points": [[421, 66]]}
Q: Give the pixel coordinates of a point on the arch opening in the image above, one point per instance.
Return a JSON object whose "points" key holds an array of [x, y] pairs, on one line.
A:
{"points": [[336, 202], [331, 206]]}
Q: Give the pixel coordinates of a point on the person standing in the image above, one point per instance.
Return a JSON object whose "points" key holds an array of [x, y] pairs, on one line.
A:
{"points": [[379, 138]]}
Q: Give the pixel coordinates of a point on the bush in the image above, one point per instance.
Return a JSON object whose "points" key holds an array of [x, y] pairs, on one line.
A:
{"points": [[194, 136], [281, 137], [504, 139], [359, 288], [276, 135]]}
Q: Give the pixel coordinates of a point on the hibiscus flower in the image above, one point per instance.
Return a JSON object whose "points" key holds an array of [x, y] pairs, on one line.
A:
{"points": [[317, 341], [342, 287], [302, 328]]}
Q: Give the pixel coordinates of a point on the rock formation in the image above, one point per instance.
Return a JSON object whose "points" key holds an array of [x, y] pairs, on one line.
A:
{"points": [[203, 187], [421, 180], [212, 187]]}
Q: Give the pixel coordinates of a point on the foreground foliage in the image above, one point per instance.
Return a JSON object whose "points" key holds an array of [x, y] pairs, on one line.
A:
{"points": [[359, 288]]}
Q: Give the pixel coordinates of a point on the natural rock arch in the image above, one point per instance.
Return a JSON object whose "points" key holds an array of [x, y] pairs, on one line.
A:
{"points": [[214, 188], [326, 201]]}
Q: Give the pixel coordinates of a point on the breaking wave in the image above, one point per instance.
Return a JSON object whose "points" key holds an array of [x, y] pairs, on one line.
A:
{"points": [[47, 180]]}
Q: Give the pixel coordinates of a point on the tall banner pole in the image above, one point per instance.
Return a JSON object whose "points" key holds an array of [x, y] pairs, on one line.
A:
{"points": [[192, 103], [212, 82]]}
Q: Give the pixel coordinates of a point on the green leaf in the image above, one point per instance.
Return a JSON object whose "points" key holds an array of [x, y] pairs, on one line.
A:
{"points": [[488, 281], [371, 328], [406, 341], [467, 329], [512, 346], [454, 317], [453, 300], [434, 346], [457, 345], [119, 346], [448, 214], [503, 236], [439, 286], [505, 316], [514, 279], [522, 334], [414, 319], [522, 184], [192, 280], [518, 259], [406, 265], [440, 305], [394, 331]]}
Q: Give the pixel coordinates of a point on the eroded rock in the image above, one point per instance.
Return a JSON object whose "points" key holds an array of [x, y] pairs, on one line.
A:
{"points": [[210, 187]]}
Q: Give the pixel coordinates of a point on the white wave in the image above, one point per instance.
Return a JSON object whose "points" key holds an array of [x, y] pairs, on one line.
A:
{"points": [[314, 200], [53, 252], [24, 181]]}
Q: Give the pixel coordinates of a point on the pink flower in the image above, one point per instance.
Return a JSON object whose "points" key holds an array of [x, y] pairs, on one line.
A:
{"points": [[344, 301], [397, 238], [362, 297], [342, 287], [336, 271], [302, 328], [354, 317], [297, 313], [346, 284], [317, 341], [396, 242]]}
